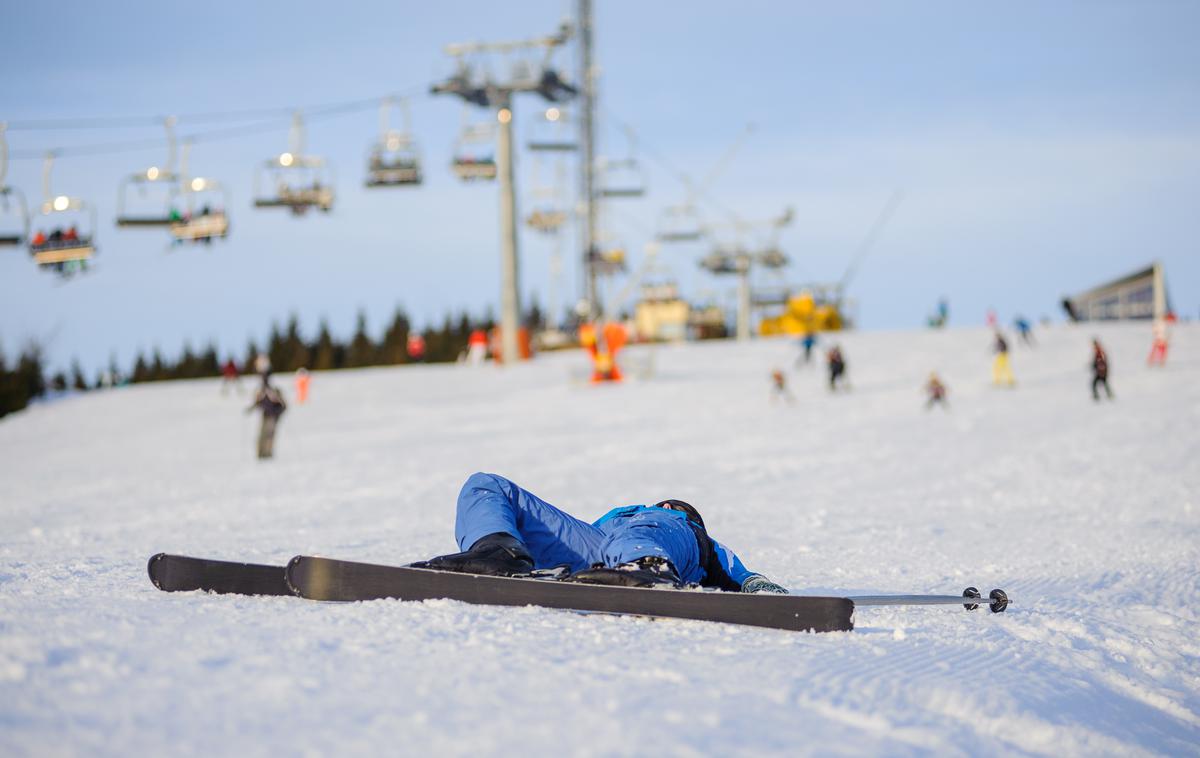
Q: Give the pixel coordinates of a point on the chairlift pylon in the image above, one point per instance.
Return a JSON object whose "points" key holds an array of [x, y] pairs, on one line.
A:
{"points": [[64, 249], [394, 160], [300, 182], [156, 213]]}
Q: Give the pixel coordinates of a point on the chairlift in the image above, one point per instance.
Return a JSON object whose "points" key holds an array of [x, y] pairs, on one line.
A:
{"points": [[552, 132], [205, 201], [607, 260], [65, 248], [725, 261], [14, 208], [607, 256], [394, 160], [159, 183], [680, 223], [546, 220], [773, 258], [629, 181], [474, 156], [548, 199], [293, 180]]}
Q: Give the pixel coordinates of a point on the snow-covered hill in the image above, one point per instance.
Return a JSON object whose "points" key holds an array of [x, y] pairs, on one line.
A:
{"points": [[1086, 513]]}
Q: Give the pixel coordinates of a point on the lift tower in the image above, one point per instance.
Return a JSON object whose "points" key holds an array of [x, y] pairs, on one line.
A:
{"points": [[477, 87], [587, 163]]}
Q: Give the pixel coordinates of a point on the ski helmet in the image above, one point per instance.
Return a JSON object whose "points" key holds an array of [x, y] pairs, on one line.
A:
{"points": [[687, 509]]}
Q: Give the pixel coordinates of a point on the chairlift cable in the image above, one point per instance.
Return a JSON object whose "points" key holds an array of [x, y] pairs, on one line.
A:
{"points": [[123, 122], [311, 113]]}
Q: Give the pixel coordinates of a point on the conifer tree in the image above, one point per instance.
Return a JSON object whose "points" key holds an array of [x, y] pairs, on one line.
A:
{"points": [[77, 380], [141, 369], [324, 351], [395, 340], [361, 351]]}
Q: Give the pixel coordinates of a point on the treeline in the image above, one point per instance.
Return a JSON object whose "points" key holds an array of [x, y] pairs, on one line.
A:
{"points": [[21, 382], [287, 348]]}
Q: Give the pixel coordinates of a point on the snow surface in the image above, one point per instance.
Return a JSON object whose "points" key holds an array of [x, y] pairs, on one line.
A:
{"points": [[1086, 513]]}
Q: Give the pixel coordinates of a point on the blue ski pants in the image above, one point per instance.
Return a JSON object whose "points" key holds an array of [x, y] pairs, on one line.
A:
{"points": [[489, 503]]}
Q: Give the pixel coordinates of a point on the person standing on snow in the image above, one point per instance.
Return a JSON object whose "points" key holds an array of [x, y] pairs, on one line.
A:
{"points": [[504, 530], [1001, 370], [779, 387], [808, 341], [1099, 371], [270, 401], [937, 392], [230, 377], [1158, 348], [837, 367]]}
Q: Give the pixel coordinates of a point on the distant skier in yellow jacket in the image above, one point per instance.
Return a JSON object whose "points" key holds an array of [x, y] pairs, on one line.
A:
{"points": [[1001, 370]]}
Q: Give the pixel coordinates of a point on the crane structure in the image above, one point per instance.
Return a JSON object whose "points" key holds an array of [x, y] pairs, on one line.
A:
{"points": [[474, 84]]}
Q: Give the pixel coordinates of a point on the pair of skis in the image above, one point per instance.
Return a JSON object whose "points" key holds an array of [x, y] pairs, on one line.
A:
{"points": [[329, 579]]}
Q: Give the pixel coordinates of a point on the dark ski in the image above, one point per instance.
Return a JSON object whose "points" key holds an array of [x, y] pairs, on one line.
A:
{"points": [[329, 579], [180, 573]]}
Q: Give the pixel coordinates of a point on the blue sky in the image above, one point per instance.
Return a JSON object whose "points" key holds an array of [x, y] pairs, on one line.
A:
{"points": [[1042, 148]]}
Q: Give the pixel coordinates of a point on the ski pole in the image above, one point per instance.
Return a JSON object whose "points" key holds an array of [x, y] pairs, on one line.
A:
{"points": [[997, 600]]}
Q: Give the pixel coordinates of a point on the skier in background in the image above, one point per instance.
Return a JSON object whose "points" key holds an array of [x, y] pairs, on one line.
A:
{"points": [[270, 401], [477, 347], [302, 382], [230, 376], [837, 368], [937, 392], [807, 342], [1024, 330], [1158, 348], [1099, 371], [262, 366], [1001, 370], [415, 347], [779, 388], [504, 530]]}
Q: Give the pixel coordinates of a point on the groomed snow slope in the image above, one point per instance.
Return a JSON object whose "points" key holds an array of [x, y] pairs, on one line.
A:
{"points": [[1086, 513]]}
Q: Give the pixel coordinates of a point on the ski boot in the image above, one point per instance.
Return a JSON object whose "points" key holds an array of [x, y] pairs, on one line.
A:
{"points": [[498, 554], [650, 571]]}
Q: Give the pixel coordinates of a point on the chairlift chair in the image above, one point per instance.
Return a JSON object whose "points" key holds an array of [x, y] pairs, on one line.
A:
{"points": [[64, 253], [64, 249], [13, 208], [724, 261], [546, 220], [394, 160], [299, 182], [473, 157], [210, 221], [141, 182], [773, 258], [680, 223], [607, 260], [157, 212], [552, 133], [13, 205], [630, 181]]}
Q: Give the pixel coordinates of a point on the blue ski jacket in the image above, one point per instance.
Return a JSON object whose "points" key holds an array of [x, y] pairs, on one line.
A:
{"points": [[489, 503]]}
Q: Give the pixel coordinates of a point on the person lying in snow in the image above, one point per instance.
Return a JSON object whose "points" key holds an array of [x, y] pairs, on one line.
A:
{"points": [[505, 530]]}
